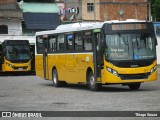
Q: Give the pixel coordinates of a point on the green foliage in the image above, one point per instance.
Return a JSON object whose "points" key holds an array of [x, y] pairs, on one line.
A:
{"points": [[40, 1], [155, 9]]}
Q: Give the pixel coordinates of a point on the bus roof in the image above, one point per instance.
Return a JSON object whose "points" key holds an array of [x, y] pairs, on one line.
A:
{"points": [[83, 26], [31, 39]]}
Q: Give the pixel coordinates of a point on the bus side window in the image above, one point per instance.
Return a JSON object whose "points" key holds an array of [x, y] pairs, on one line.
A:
{"points": [[87, 40], [78, 42], [39, 45], [87, 44], [52, 44], [60, 43], [69, 41]]}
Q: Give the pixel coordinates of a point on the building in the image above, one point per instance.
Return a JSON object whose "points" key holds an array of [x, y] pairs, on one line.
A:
{"points": [[91, 10], [10, 19], [73, 10], [103, 10], [124, 9], [70, 10], [39, 16], [7, 1]]}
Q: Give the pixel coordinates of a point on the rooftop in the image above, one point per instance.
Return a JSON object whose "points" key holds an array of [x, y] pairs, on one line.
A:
{"points": [[10, 10], [39, 7]]}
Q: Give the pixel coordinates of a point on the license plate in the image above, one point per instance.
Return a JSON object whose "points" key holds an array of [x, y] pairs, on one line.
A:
{"points": [[20, 68]]}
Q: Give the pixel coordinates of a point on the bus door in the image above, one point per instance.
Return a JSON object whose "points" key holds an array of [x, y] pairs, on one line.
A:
{"points": [[41, 57], [70, 57], [45, 57], [97, 53], [32, 49]]}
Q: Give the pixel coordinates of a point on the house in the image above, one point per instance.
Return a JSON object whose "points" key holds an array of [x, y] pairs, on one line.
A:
{"points": [[39, 16], [103, 10], [61, 5], [10, 19], [124, 9], [91, 10], [73, 10]]}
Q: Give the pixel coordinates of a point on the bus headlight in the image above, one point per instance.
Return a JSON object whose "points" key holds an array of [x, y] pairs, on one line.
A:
{"points": [[114, 72], [9, 64], [29, 64], [153, 69]]}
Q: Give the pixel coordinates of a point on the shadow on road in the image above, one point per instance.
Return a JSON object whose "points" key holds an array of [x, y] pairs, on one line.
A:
{"points": [[105, 88], [17, 74]]}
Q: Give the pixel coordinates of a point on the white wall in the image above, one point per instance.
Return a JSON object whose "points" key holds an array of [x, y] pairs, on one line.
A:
{"points": [[31, 39], [14, 31], [14, 26], [158, 50]]}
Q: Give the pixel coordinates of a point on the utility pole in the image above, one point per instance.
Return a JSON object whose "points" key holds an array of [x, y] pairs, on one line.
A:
{"points": [[149, 10], [95, 10]]}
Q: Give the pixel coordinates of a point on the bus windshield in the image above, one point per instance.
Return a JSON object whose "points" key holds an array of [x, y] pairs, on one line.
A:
{"points": [[130, 47], [16, 52]]}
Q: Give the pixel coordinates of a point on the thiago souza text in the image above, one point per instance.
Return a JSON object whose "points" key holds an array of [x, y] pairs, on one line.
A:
{"points": [[146, 114]]}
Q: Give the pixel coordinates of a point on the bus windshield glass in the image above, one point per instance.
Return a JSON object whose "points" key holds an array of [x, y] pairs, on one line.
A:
{"points": [[17, 52], [130, 47]]}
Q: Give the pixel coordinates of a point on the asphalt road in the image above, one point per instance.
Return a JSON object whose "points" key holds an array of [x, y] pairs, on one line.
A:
{"points": [[30, 93]]}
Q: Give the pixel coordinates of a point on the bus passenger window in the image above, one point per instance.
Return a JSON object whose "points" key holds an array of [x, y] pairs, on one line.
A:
{"points": [[69, 42], [60, 43], [78, 42], [39, 45], [87, 44], [52, 44]]}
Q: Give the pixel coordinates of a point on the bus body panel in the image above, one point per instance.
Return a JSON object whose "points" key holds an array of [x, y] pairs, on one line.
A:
{"points": [[39, 66], [110, 78], [75, 72], [8, 66], [57, 62]]}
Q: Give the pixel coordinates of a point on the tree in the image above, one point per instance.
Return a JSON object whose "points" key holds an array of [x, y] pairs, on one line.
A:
{"points": [[40, 1], [155, 9]]}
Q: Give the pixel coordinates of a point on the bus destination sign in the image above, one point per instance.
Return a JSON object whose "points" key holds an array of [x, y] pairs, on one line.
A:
{"points": [[133, 26]]}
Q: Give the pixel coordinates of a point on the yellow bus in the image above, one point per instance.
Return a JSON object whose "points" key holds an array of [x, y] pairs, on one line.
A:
{"points": [[96, 54], [17, 56]]}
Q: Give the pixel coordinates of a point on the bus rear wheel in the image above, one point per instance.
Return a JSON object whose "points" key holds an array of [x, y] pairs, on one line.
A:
{"points": [[134, 86], [92, 84], [56, 82]]}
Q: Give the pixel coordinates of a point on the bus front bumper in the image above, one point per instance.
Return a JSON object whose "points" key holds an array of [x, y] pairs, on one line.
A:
{"points": [[109, 78]]}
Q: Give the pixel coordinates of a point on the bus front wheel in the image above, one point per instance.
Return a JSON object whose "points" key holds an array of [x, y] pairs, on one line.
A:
{"points": [[92, 84], [134, 86], [56, 82]]}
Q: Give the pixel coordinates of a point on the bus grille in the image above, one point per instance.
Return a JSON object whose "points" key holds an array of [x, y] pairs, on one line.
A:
{"points": [[133, 76], [20, 68]]}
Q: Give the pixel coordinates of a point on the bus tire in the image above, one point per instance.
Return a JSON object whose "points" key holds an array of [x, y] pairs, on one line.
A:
{"points": [[92, 84], [134, 86], [56, 82]]}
